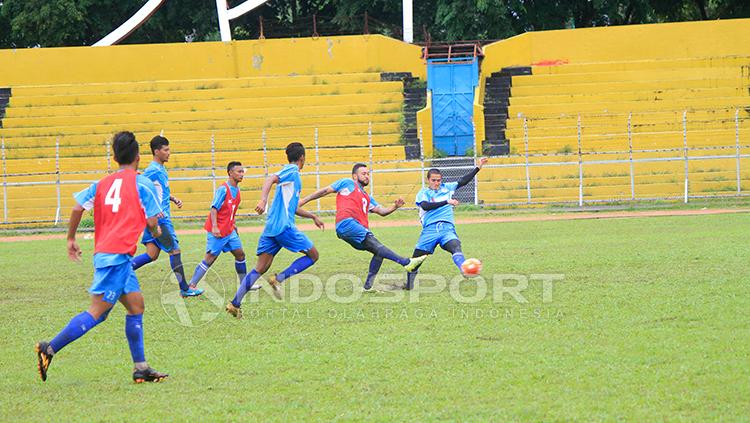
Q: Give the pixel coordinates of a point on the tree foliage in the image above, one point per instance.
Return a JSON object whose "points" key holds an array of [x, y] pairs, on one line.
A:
{"points": [[47, 23]]}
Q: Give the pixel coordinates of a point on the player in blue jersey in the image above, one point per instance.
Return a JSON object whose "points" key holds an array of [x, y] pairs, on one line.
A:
{"points": [[280, 230], [168, 241], [435, 203], [123, 202]]}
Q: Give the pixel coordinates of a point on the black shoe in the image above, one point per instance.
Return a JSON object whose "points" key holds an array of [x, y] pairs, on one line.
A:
{"points": [[148, 375], [43, 359]]}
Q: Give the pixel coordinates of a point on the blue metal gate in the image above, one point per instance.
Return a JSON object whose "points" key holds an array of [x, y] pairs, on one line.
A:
{"points": [[452, 84]]}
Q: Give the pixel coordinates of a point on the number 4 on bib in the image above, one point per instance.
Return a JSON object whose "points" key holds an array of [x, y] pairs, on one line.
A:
{"points": [[113, 195]]}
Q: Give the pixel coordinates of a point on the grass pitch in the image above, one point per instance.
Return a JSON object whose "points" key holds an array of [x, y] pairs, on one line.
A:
{"points": [[649, 323]]}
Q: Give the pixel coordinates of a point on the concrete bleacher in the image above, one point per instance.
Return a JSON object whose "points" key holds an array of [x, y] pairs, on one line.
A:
{"points": [[242, 116], [650, 87]]}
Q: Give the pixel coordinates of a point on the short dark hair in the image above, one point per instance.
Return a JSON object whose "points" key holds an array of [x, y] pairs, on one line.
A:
{"points": [[125, 147], [157, 143], [294, 151], [357, 167], [433, 171], [230, 165]]}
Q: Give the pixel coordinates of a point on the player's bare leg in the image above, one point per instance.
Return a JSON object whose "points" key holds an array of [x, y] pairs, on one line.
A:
{"points": [[135, 306]]}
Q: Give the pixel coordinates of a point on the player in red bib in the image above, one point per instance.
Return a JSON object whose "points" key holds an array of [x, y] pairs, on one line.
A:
{"points": [[221, 232], [124, 203], [352, 225]]}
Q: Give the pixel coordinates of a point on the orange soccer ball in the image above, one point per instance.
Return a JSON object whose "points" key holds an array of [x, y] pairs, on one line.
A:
{"points": [[471, 267]]}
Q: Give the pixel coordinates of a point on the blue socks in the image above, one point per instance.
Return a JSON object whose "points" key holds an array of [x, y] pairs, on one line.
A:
{"points": [[140, 261], [134, 333], [297, 266], [375, 264], [200, 271], [385, 252], [241, 269], [245, 284], [76, 328], [459, 259], [176, 262]]}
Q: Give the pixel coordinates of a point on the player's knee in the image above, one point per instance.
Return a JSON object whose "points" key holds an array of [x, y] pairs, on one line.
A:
{"points": [[453, 246], [153, 254], [313, 254], [240, 256], [175, 252]]}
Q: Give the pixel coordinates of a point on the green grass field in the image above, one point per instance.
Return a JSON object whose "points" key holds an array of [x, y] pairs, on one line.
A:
{"points": [[650, 323]]}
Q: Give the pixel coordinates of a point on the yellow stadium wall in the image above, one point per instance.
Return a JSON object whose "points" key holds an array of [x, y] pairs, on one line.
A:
{"points": [[346, 54], [622, 43]]}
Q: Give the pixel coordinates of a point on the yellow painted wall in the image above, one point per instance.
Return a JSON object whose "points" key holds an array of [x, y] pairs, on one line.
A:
{"points": [[424, 122], [622, 43], [148, 62]]}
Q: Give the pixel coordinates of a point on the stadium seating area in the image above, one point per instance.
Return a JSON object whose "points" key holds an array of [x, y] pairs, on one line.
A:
{"points": [[709, 92], [235, 112]]}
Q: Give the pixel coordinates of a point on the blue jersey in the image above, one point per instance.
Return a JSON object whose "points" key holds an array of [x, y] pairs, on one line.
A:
{"points": [[284, 206], [221, 194], [440, 214], [158, 175], [149, 202]]}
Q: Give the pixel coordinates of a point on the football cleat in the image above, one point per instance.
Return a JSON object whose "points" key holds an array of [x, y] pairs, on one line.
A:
{"points": [[43, 359], [276, 286], [414, 263], [234, 310], [191, 292], [148, 375]]}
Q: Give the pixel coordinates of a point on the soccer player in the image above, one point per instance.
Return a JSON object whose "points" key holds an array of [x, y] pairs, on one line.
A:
{"points": [[124, 203], [352, 226], [221, 231], [436, 204], [280, 230], [167, 242]]}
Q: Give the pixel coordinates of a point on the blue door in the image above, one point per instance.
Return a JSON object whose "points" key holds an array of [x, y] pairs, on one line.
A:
{"points": [[452, 85]]}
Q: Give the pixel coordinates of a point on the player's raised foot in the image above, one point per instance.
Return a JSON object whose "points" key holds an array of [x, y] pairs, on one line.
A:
{"points": [[234, 310], [148, 375], [414, 263], [191, 292], [276, 287], [43, 359]]}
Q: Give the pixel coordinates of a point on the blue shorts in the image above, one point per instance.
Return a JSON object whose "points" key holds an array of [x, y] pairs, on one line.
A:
{"points": [[216, 246], [168, 239], [292, 239], [352, 232], [438, 233], [114, 281]]}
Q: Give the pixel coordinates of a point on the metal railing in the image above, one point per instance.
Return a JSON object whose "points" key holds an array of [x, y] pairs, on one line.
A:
{"points": [[536, 178]]}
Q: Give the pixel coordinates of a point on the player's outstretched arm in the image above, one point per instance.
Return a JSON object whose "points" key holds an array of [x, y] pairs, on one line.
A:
{"points": [[74, 251], [304, 213], [470, 176], [260, 208], [383, 211], [317, 194]]}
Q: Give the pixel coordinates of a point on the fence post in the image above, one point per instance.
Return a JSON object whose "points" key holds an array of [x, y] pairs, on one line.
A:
{"points": [[372, 171], [5, 182], [685, 149], [317, 167], [57, 178], [580, 166], [265, 153], [108, 156], [213, 161], [421, 156], [737, 147], [630, 154], [526, 150], [476, 177]]}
